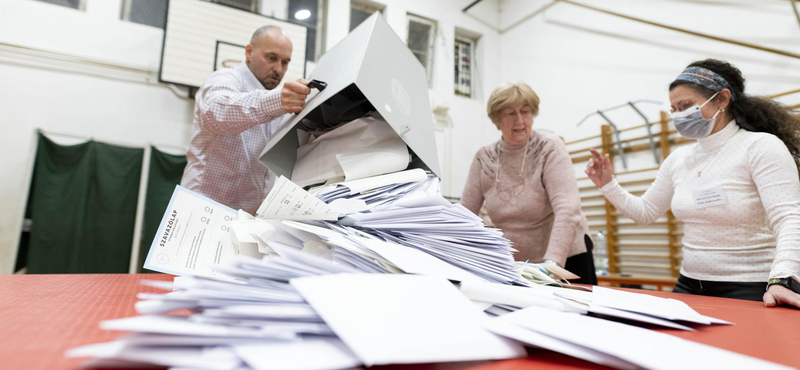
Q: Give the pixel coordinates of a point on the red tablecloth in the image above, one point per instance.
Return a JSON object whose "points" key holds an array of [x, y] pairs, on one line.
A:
{"points": [[41, 316]]}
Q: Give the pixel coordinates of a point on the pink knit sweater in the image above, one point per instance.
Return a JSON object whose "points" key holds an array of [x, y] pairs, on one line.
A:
{"points": [[539, 210]]}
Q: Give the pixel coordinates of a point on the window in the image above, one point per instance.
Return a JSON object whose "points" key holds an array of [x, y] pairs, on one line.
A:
{"points": [[154, 12], [464, 65], [74, 4], [249, 5], [147, 12], [310, 13], [360, 11], [421, 37]]}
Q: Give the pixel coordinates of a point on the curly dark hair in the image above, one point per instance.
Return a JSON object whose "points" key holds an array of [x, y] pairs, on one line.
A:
{"points": [[752, 113]]}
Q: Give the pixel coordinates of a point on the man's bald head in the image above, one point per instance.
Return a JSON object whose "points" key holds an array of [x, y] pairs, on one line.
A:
{"points": [[268, 55], [264, 31]]}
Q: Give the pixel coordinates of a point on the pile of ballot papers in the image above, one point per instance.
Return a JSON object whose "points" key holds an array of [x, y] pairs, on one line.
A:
{"points": [[297, 311], [408, 279], [430, 224]]}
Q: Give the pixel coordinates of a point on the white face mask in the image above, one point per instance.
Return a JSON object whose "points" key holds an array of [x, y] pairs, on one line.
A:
{"points": [[691, 124]]}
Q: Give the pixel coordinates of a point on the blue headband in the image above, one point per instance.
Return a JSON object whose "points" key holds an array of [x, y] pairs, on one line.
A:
{"points": [[706, 78]]}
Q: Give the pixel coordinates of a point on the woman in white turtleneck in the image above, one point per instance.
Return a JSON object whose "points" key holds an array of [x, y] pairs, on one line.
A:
{"points": [[737, 190]]}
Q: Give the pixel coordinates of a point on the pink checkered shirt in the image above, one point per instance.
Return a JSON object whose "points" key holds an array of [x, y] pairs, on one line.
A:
{"points": [[234, 117]]}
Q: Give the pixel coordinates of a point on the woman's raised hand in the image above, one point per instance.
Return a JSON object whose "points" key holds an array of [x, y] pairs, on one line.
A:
{"points": [[599, 169]]}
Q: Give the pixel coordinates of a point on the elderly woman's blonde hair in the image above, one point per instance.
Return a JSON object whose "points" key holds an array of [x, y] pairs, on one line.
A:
{"points": [[509, 95]]}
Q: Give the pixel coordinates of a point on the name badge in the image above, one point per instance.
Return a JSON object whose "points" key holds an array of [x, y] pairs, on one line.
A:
{"points": [[709, 197]]}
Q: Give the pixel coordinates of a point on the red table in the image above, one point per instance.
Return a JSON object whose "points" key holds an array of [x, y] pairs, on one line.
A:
{"points": [[41, 316]]}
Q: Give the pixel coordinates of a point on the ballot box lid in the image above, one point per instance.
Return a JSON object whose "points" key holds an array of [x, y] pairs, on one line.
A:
{"points": [[373, 68]]}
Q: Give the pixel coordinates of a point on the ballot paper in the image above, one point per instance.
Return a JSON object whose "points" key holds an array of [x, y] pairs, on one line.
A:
{"points": [[194, 236], [361, 148], [379, 192], [533, 338], [376, 182], [635, 307], [545, 273], [563, 300], [633, 316], [670, 309], [410, 260], [287, 201], [291, 254], [515, 296], [401, 319], [310, 353], [216, 358], [180, 325], [446, 231], [638, 346]]}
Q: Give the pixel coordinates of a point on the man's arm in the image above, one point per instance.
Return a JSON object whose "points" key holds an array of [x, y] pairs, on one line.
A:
{"points": [[225, 110]]}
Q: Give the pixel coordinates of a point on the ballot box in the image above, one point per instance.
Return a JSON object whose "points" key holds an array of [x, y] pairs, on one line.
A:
{"points": [[369, 73]]}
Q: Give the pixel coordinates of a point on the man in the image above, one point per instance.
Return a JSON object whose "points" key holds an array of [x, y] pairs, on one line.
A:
{"points": [[236, 112]]}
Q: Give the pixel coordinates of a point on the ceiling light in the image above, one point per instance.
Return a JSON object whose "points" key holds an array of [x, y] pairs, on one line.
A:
{"points": [[302, 14]]}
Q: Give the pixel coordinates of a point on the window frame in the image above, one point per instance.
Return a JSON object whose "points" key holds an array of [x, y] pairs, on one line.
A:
{"points": [[253, 5], [318, 29], [322, 24], [81, 5], [431, 41], [366, 6], [472, 63], [126, 9], [126, 13]]}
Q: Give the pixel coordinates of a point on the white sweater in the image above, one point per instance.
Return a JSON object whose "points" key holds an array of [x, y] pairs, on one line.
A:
{"points": [[755, 235]]}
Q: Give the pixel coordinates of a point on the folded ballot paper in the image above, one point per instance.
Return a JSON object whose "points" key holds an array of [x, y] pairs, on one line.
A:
{"points": [[355, 259], [361, 148]]}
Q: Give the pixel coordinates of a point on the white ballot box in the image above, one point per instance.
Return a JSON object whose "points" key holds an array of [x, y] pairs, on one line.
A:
{"points": [[369, 73]]}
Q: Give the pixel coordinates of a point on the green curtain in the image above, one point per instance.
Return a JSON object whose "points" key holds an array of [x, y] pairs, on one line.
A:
{"points": [[166, 171], [83, 207], [25, 237]]}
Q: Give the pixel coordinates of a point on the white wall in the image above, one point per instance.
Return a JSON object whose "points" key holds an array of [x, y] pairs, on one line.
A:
{"points": [[470, 128], [580, 61], [85, 73]]}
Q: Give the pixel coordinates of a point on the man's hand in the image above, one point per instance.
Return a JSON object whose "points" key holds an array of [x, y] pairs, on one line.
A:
{"points": [[779, 295], [293, 95]]}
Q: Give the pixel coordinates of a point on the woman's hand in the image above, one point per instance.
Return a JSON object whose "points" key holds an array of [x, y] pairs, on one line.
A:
{"points": [[599, 169], [779, 295]]}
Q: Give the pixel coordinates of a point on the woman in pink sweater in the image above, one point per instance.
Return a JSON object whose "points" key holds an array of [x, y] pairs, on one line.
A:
{"points": [[528, 186]]}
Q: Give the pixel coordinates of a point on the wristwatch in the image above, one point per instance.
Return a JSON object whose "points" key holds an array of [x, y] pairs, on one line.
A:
{"points": [[789, 283]]}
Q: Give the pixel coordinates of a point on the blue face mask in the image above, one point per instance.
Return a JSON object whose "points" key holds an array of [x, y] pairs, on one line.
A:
{"points": [[691, 124]]}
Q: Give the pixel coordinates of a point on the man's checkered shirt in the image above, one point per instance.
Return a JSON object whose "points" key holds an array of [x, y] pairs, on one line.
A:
{"points": [[234, 117]]}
